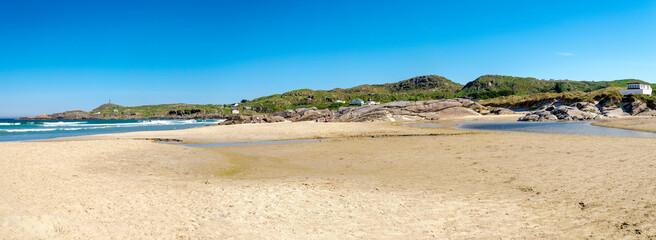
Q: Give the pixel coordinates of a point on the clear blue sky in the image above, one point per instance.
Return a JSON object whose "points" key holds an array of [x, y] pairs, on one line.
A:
{"points": [[65, 55]]}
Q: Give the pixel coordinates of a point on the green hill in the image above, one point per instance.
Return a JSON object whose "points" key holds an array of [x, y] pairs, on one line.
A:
{"points": [[429, 87], [492, 86], [106, 107], [417, 88], [496, 90], [160, 111]]}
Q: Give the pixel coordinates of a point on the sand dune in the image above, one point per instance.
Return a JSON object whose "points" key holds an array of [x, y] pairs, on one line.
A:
{"points": [[479, 186]]}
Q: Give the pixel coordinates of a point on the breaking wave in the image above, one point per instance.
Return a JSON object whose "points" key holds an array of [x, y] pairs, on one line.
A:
{"points": [[18, 127]]}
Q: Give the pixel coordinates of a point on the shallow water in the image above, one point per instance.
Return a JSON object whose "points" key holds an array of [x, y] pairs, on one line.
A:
{"points": [[569, 128]]}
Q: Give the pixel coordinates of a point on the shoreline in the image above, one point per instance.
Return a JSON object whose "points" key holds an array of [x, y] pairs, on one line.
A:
{"points": [[384, 129], [449, 123]]}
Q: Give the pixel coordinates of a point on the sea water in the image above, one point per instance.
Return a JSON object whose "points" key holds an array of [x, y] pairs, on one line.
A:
{"points": [[19, 130]]}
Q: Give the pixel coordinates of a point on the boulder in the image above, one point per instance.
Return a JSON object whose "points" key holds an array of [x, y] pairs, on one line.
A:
{"points": [[236, 119], [613, 112], [466, 102], [563, 112], [636, 107], [289, 114], [530, 117], [272, 119], [502, 111], [585, 106]]}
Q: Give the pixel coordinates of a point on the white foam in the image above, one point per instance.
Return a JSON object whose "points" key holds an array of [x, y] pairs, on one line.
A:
{"points": [[30, 130], [58, 124], [73, 126], [152, 123], [48, 129]]}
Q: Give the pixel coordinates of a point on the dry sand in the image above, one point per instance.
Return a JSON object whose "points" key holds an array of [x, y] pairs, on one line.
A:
{"points": [[474, 186], [274, 132]]}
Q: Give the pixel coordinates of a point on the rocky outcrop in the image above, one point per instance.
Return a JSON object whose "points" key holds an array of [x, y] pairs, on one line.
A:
{"points": [[576, 111], [241, 119], [406, 110], [392, 111], [635, 107], [589, 111], [502, 111], [184, 112]]}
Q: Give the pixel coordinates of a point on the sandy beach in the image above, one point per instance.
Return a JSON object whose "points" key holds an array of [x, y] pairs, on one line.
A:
{"points": [[647, 124], [377, 181]]}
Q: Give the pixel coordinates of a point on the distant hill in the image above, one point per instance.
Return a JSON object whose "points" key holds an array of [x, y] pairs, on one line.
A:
{"points": [[106, 107], [417, 88], [429, 87], [497, 90], [492, 86]]}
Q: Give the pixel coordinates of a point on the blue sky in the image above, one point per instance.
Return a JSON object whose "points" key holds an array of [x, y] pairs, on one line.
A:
{"points": [[65, 55]]}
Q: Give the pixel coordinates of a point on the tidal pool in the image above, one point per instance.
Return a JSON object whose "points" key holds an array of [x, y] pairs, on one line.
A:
{"points": [[570, 128]]}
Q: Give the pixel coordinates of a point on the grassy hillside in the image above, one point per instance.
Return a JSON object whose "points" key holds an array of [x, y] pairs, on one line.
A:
{"points": [[492, 86], [495, 90], [146, 111], [532, 101], [436, 87], [418, 88]]}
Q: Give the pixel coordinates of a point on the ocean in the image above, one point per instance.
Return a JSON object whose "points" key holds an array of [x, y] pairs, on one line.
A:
{"points": [[15, 130]]}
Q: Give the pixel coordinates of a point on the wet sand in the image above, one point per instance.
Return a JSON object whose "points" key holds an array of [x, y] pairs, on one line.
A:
{"points": [[479, 185], [647, 124]]}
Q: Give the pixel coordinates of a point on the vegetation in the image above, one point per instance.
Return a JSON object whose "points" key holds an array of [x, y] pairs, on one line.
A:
{"points": [[492, 86], [609, 95], [493, 90], [146, 111], [502, 89], [418, 88]]}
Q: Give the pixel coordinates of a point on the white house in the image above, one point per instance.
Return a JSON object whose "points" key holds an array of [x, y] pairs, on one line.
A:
{"points": [[235, 111], [637, 88], [234, 105], [357, 102], [339, 101], [372, 103]]}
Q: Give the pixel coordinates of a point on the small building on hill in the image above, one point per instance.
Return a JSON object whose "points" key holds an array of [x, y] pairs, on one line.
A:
{"points": [[235, 111], [357, 102], [339, 101], [637, 88]]}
